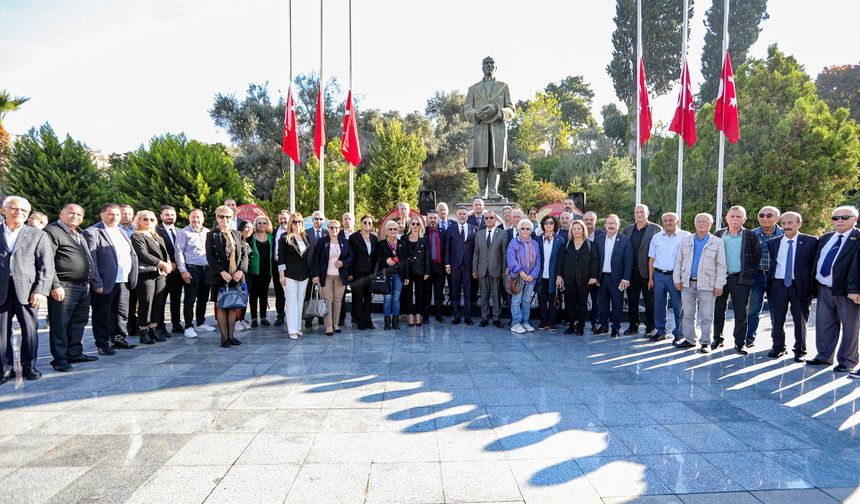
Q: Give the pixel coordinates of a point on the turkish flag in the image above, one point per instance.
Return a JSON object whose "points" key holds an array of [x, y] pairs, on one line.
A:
{"points": [[349, 147], [684, 122], [319, 128], [291, 136], [644, 107], [726, 111]]}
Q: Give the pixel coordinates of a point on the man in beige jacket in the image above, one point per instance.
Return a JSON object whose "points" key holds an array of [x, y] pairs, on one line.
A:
{"points": [[700, 275]]}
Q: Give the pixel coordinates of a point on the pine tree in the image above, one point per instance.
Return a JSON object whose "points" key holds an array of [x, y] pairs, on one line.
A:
{"points": [[526, 188], [50, 174], [393, 173], [182, 173]]}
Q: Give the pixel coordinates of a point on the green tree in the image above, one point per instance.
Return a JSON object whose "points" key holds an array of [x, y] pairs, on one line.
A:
{"points": [[839, 86], [539, 126], [51, 173], [616, 125], [526, 187], [444, 170], [8, 103], [335, 179], [393, 175], [184, 173], [613, 188], [548, 192], [745, 18], [574, 97]]}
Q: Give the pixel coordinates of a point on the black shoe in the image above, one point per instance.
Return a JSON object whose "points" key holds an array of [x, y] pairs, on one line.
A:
{"points": [[817, 362], [107, 351], [570, 329], [497, 323], [329, 333], [440, 318], [156, 335], [254, 322], [163, 333], [387, 324], [799, 357], [469, 321], [265, 322], [395, 323], [279, 321], [741, 350], [615, 333], [145, 338], [659, 337], [593, 329], [718, 343], [35, 374], [456, 321], [337, 331], [234, 342], [8, 375], [685, 344], [601, 330], [62, 367], [854, 374], [631, 330], [774, 353], [705, 349], [225, 344], [309, 324], [648, 331], [83, 358], [838, 369], [177, 330], [749, 344], [484, 323], [122, 343]]}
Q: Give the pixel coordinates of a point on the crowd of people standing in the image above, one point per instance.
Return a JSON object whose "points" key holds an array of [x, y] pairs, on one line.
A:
{"points": [[123, 270]]}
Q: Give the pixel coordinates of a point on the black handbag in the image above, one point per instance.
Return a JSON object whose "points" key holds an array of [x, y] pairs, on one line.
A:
{"points": [[379, 284], [232, 298]]}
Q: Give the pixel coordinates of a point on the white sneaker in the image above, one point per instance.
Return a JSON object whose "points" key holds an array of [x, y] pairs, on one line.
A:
{"points": [[190, 333], [205, 328], [239, 326], [294, 336], [246, 324], [528, 327], [518, 328]]}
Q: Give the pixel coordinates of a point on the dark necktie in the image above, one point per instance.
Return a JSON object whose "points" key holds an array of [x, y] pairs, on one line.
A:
{"points": [[462, 233], [172, 236], [789, 264], [827, 265], [434, 243], [489, 237]]}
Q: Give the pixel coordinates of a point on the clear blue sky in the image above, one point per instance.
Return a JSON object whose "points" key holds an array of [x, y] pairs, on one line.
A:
{"points": [[115, 73]]}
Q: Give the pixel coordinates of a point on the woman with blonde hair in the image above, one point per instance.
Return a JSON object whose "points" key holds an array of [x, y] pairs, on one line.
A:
{"points": [[153, 268], [260, 268], [294, 251], [227, 255], [391, 258], [417, 270]]}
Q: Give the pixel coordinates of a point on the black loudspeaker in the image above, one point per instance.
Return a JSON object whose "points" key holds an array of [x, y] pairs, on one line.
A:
{"points": [[426, 201], [578, 198]]}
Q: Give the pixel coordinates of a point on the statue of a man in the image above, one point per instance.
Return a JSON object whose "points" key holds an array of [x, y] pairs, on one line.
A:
{"points": [[488, 107]]}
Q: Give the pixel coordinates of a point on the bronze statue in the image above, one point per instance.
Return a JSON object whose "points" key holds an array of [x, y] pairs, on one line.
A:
{"points": [[488, 107]]}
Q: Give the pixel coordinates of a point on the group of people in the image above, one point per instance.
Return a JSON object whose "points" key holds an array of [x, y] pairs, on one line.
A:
{"points": [[124, 268]]}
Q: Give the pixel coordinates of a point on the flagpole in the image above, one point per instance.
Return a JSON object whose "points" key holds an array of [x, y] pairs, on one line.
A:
{"points": [[322, 105], [684, 84], [719, 216], [292, 163], [351, 167], [638, 101]]}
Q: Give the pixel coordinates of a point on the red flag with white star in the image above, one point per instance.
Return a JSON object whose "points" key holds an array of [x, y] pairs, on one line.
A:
{"points": [[684, 122], [726, 111], [350, 147], [291, 136], [644, 107], [319, 127]]}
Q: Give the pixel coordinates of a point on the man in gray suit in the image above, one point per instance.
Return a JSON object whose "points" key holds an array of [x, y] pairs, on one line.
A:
{"points": [[488, 264], [314, 234], [26, 273], [114, 276], [640, 232]]}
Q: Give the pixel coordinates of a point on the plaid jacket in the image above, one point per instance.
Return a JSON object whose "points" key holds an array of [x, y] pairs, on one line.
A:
{"points": [[750, 255]]}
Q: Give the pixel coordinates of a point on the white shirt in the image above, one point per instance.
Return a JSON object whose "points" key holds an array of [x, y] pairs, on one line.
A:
{"points": [[11, 236], [828, 280], [123, 252], [608, 248], [547, 251], [171, 233], [278, 234], [234, 224], [782, 257], [664, 249]]}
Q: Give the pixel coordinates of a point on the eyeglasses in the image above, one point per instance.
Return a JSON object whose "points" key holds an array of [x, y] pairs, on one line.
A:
{"points": [[415, 224], [147, 219], [294, 223], [262, 223], [765, 215], [391, 229], [489, 218], [367, 223], [318, 218], [224, 216], [16, 209], [548, 223], [525, 229], [841, 217]]}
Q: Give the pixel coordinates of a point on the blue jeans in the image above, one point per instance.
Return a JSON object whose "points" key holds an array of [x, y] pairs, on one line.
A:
{"points": [[391, 302], [664, 286], [756, 304], [521, 305]]}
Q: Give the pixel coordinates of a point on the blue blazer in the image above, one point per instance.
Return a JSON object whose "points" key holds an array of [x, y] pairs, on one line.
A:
{"points": [[105, 260], [458, 253], [321, 252], [804, 263], [621, 263], [557, 246]]}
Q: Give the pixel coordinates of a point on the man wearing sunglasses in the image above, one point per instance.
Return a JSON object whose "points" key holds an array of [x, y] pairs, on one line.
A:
{"points": [[767, 230], [838, 277]]}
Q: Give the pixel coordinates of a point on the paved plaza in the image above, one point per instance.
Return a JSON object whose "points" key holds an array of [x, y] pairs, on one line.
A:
{"points": [[430, 414]]}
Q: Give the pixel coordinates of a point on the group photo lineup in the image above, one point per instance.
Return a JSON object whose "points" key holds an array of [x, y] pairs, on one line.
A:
{"points": [[341, 251]]}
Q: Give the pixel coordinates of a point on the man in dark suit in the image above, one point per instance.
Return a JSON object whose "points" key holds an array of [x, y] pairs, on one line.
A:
{"points": [[590, 220], [615, 256], [69, 305], [114, 276], [436, 282], [26, 273], [168, 232], [640, 234], [314, 234], [280, 297], [791, 273], [488, 264], [838, 276], [476, 218], [743, 256], [459, 247]]}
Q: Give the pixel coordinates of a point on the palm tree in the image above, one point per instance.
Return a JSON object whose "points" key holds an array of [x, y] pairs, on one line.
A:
{"points": [[8, 103]]}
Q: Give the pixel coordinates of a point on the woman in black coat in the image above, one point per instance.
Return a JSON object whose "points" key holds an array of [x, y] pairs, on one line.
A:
{"points": [[391, 258], [577, 271], [417, 270], [294, 272], [153, 267], [227, 254], [363, 245]]}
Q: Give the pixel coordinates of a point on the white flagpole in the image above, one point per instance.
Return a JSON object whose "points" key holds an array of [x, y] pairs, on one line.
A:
{"points": [[322, 104], [292, 163], [719, 216], [638, 101], [351, 168], [684, 84]]}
